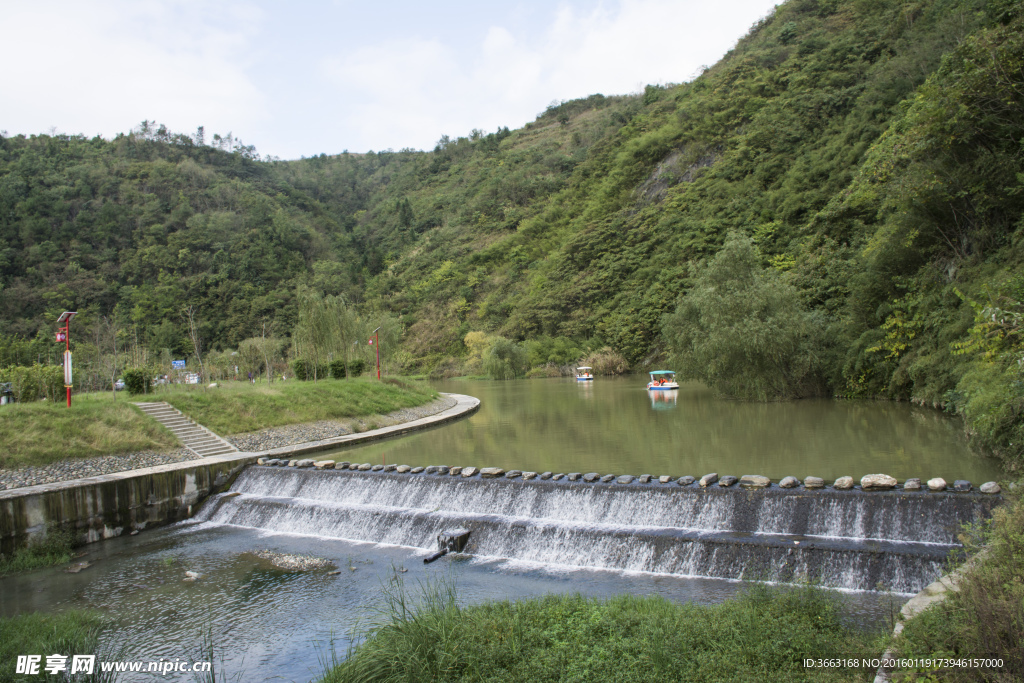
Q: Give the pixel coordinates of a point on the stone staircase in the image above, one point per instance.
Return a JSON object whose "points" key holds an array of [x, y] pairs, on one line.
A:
{"points": [[194, 437]]}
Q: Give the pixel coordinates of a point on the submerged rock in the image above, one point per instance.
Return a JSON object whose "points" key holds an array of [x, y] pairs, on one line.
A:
{"points": [[709, 479], [469, 471], [937, 484], [814, 483], [990, 487], [842, 483], [727, 480], [962, 485], [877, 482], [685, 481], [912, 484], [492, 472], [754, 481], [292, 563]]}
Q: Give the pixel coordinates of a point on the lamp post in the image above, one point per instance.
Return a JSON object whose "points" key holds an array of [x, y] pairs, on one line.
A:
{"points": [[64, 336], [376, 342]]}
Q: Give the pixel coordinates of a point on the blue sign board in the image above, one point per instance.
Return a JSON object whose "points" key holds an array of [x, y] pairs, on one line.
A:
{"points": [[178, 364]]}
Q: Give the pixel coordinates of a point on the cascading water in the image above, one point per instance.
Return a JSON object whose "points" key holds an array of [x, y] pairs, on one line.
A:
{"points": [[843, 539]]}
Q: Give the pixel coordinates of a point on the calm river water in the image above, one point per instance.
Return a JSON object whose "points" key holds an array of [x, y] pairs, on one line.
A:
{"points": [[612, 425], [272, 625]]}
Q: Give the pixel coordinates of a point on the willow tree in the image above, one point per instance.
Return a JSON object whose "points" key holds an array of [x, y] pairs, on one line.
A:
{"points": [[326, 330], [744, 331]]}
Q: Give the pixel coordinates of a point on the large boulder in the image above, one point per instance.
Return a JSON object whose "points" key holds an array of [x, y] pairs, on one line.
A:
{"points": [[754, 481], [877, 482]]}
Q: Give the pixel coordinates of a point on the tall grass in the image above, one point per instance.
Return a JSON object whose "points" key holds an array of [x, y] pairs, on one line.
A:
{"points": [[42, 432], [68, 633], [985, 617], [52, 549], [762, 635]]}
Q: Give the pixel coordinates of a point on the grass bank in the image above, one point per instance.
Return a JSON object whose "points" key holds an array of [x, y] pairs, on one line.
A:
{"points": [[42, 432], [56, 547], [240, 407], [762, 635], [67, 633], [985, 617]]}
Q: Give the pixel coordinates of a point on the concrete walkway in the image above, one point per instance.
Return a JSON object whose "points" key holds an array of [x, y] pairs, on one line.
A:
{"points": [[194, 437]]}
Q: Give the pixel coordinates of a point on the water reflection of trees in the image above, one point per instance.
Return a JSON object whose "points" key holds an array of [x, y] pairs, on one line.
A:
{"points": [[550, 425]]}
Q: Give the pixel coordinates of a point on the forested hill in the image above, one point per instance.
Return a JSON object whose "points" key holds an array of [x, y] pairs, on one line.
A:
{"points": [[863, 158]]}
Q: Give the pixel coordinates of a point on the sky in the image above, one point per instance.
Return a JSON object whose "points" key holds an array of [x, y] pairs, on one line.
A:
{"points": [[303, 78]]}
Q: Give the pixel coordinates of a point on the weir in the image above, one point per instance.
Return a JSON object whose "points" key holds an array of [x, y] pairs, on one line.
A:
{"points": [[895, 540]]}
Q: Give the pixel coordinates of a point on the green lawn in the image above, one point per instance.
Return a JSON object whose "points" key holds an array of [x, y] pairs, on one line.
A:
{"points": [[240, 407]]}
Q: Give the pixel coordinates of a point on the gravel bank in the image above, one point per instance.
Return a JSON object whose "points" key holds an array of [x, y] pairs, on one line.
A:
{"points": [[290, 435], [89, 467]]}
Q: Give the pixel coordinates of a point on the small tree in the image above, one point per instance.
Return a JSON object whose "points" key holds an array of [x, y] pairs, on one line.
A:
{"points": [[506, 359]]}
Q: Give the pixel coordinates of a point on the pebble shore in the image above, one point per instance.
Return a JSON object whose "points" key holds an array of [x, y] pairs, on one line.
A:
{"points": [[290, 435], [89, 467]]}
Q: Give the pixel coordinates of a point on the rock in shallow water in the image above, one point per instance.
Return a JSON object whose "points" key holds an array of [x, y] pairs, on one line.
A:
{"points": [[417, 470], [912, 484], [645, 478], [664, 479], [590, 477], [990, 487], [545, 475], [574, 476], [727, 481], [685, 481], [843, 483], [937, 484], [814, 483], [962, 485], [529, 475], [755, 481], [402, 469], [469, 471], [556, 477], [512, 474], [789, 482], [491, 472], [625, 479], [709, 479], [607, 478]]}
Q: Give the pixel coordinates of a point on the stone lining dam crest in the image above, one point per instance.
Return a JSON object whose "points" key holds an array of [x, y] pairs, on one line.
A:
{"points": [[855, 540]]}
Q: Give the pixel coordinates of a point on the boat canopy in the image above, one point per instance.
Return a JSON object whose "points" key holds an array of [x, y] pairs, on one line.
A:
{"points": [[663, 372], [584, 367]]}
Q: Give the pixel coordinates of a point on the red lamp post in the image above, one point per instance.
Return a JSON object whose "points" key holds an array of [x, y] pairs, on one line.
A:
{"points": [[64, 336]]}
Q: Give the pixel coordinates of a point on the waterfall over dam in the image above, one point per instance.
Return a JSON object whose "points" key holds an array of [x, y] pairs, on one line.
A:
{"points": [[895, 540]]}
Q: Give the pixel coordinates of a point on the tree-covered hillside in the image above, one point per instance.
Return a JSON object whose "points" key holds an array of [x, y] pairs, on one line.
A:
{"points": [[862, 157]]}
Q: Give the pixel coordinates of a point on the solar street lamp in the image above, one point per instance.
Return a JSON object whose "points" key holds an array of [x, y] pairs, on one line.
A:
{"points": [[64, 336]]}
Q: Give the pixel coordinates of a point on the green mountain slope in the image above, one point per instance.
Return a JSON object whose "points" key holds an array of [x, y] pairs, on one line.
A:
{"points": [[869, 151]]}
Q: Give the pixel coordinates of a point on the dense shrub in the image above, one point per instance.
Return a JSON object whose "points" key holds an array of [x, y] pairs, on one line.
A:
{"points": [[35, 382], [305, 370], [137, 381]]}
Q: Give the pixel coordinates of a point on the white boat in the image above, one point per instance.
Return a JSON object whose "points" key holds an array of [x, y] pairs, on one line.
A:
{"points": [[662, 380], [584, 374]]}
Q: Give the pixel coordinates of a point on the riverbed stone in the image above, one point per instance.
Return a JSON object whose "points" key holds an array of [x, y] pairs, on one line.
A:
{"points": [[962, 485], [545, 475], [402, 469], [912, 484], [590, 477], [709, 479], [644, 478], [377, 468], [469, 471], [529, 475], [512, 474], [685, 480], [814, 483], [304, 463], [455, 471], [417, 470], [877, 482], [727, 480], [492, 472], [366, 467], [990, 487], [574, 476], [556, 477], [937, 484], [324, 465], [607, 478], [625, 479], [842, 484], [754, 481], [664, 479]]}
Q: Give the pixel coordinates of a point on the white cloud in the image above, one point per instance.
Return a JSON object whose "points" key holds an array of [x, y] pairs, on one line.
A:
{"points": [[409, 93], [101, 67]]}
